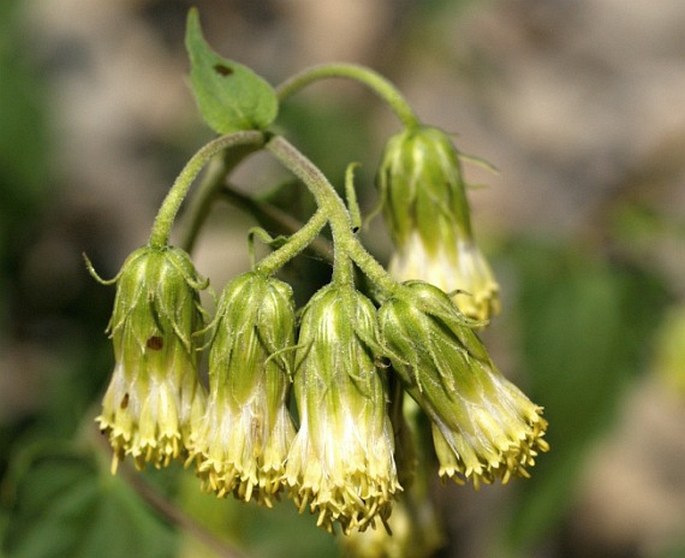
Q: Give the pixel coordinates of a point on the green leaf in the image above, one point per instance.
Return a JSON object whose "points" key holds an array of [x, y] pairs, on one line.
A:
{"points": [[231, 97], [65, 505]]}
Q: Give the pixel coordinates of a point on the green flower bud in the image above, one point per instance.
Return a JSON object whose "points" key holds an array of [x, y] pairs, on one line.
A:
{"points": [[242, 442], [484, 427], [425, 207], [154, 394], [341, 463]]}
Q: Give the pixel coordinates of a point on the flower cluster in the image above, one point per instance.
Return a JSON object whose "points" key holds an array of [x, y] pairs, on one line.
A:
{"points": [[341, 462], [240, 436], [484, 427], [310, 403]]}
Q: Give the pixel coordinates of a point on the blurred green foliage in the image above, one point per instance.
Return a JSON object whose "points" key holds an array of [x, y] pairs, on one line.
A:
{"points": [[258, 532], [586, 325], [23, 167], [24, 144], [67, 505]]}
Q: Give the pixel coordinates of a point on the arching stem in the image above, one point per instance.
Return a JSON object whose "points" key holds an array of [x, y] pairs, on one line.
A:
{"points": [[347, 247], [374, 81], [161, 229]]}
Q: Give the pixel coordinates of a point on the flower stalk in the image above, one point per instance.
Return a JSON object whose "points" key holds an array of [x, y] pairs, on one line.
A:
{"points": [[374, 81], [161, 229]]}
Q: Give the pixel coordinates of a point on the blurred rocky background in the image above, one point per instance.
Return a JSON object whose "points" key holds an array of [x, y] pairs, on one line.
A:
{"points": [[580, 104]]}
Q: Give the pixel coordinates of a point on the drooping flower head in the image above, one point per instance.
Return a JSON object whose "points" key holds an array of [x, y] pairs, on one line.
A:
{"points": [[341, 463], [484, 427], [241, 443], [154, 394], [424, 202]]}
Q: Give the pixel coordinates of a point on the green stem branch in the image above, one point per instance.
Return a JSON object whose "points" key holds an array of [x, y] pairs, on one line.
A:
{"points": [[327, 199], [346, 245], [377, 83], [210, 187], [161, 229], [296, 243], [275, 219], [371, 268]]}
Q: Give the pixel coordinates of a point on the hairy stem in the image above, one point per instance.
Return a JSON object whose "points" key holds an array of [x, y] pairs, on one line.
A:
{"points": [[275, 218], [346, 245], [296, 243], [161, 229], [374, 81], [327, 199], [209, 188]]}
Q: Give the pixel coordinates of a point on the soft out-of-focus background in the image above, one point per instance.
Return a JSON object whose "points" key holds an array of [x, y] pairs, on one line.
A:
{"points": [[578, 103]]}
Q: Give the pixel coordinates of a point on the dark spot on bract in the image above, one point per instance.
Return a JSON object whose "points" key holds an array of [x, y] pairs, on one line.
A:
{"points": [[124, 401], [222, 70], [355, 230], [155, 343]]}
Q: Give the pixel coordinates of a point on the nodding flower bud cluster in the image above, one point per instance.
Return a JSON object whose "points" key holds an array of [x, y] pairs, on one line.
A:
{"points": [[424, 203], [344, 450], [341, 462]]}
